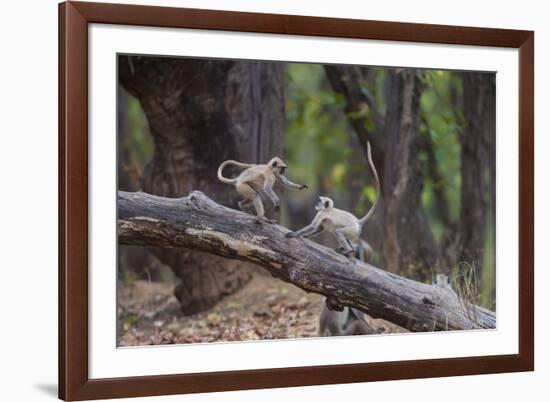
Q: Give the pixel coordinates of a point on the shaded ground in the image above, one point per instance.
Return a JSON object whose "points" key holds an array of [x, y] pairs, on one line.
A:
{"points": [[266, 308]]}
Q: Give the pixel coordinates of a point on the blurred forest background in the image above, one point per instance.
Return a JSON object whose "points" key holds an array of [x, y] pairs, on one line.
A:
{"points": [[433, 139]]}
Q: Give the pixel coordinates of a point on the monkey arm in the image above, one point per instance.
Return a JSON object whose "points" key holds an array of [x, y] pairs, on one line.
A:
{"points": [[307, 231], [269, 193], [313, 228], [287, 183], [316, 231]]}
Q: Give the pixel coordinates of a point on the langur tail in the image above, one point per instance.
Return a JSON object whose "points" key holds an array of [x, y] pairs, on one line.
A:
{"points": [[230, 162], [364, 219]]}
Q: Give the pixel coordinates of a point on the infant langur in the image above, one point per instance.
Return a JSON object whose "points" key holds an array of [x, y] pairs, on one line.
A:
{"points": [[257, 180], [345, 226], [349, 321]]}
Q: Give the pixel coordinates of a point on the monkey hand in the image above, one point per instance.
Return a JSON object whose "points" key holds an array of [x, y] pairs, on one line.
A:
{"points": [[303, 186], [291, 234]]}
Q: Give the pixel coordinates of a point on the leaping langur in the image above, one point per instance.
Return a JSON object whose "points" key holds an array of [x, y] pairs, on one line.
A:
{"points": [[257, 180], [345, 226]]}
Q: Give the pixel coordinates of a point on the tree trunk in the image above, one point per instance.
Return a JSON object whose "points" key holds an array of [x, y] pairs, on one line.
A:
{"points": [[199, 223], [132, 260], [200, 113], [477, 167]]}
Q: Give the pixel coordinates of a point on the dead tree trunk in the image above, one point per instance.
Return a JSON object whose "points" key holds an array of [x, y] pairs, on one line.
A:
{"points": [[200, 113], [196, 222]]}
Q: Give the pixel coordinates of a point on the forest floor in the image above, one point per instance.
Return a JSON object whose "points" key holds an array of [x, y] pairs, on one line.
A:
{"points": [[266, 308]]}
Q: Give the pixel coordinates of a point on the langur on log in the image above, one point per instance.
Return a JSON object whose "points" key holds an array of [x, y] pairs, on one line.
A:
{"points": [[344, 225], [256, 180]]}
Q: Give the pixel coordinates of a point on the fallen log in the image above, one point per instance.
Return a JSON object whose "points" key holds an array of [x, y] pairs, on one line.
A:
{"points": [[197, 222]]}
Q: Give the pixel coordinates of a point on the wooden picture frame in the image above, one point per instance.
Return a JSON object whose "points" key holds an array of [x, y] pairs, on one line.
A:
{"points": [[74, 381]]}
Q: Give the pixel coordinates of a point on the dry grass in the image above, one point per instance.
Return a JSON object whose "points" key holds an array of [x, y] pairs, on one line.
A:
{"points": [[467, 289]]}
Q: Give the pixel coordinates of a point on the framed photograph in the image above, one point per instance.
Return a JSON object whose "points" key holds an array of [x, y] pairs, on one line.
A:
{"points": [[258, 200]]}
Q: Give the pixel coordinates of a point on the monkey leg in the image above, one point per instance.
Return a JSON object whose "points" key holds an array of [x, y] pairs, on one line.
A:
{"points": [[364, 251], [360, 252], [359, 328], [344, 245], [244, 204], [250, 196], [247, 192], [259, 206]]}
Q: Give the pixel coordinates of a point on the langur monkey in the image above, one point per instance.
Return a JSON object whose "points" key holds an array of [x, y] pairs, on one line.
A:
{"points": [[346, 322], [442, 281], [345, 226], [256, 180]]}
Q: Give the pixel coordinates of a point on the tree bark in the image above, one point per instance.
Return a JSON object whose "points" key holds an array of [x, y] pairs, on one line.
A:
{"points": [[197, 222], [200, 113], [477, 167]]}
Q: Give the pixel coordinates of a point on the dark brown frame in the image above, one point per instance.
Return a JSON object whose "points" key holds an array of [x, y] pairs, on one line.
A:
{"points": [[74, 18]]}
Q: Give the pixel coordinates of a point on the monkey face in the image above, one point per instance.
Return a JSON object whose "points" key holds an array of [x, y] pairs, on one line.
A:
{"points": [[441, 280], [277, 165], [324, 203]]}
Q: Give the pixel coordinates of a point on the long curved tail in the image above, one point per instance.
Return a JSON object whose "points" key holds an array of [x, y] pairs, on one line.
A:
{"points": [[365, 218], [230, 162]]}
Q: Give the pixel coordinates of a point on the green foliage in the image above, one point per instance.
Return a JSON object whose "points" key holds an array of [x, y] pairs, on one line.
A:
{"points": [[441, 121], [317, 138], [135, 143], [369, 192]]}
